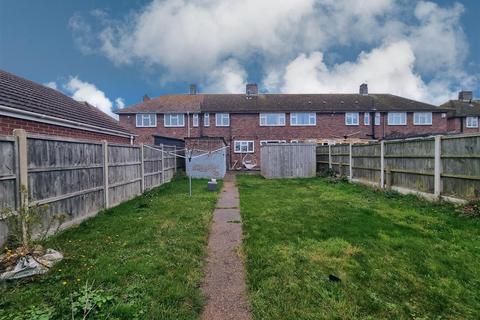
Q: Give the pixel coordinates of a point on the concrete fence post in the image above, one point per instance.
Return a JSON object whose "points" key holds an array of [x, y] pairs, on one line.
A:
{"points": [[142, 166], [382, 164], [105, 174], [175, 158], [163, 165], [350, 162], [330, 156], [22, 167], [438, 167]]}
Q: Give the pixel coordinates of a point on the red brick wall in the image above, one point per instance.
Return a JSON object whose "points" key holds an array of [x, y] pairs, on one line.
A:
{"points": [[247, 127], [7, 124], [455, 125]]}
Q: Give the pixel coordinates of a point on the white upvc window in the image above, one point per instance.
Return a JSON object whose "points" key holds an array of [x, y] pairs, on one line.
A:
{"points": [[244, 146], [206, 120], [264, 142], [222, 119], [272, 119], [422, 118], [377, 118], [174, 120], [146, 120], [195, 119], [472, 122], [351, 118], [397, 118], [366, 118], [303, 119]]}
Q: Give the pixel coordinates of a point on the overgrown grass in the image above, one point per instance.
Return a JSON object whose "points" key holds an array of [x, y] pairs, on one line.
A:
{"points": [[398, 257], [143, 260]]}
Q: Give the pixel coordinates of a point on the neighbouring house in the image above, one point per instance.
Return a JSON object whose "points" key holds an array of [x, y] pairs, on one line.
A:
{"points": [[249, 120], [41, 110], [464, 113]]}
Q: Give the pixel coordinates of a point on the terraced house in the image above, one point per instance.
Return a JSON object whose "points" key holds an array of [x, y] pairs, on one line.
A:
{"points": [[246, 121]]}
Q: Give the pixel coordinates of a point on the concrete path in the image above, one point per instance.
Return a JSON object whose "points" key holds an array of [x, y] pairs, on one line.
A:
{"points": [[224, 282]]}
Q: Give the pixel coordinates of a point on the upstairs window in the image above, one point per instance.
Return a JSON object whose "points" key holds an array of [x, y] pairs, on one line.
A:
{"points": [[244, 146], [366, 118], [351, 118], [377, 118], [272, 119], [397, 118], [195, 119], [174, 120], [206, 120], [146, 120], [422, 118], [472, 122], [222, 119], [303, 119]]}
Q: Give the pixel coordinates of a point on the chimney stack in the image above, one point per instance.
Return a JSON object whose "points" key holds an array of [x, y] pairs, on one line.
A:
{"points": [[364, 89], [465, 95], [193, 88], [146, 98], [251, 89]]}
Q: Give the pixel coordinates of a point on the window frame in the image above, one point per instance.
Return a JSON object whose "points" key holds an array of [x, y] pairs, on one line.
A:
{"points": [[272, 141], [366, 118], [347, 114], [264, 115], [195, 122], [392, 114], [310, 116], [468, 124], [378, 118], [416, 123], [240, 142], [142, 121], [169, 115], [220, 116], [206, 119]]}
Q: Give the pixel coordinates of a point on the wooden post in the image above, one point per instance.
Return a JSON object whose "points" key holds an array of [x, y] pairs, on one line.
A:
{"points": [[22, 174], [105, 174], [163, 166], [350, 162], [142, 166], [438, 167], [330, 156], [382, 164]]}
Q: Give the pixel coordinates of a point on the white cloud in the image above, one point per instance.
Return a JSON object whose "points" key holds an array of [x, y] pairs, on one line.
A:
{"points": [[119, 103], [51, 84], [215, 41], [84, 91]]}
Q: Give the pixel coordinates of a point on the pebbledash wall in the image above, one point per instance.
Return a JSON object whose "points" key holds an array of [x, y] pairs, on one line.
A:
{"points": [[246, 126], [8, 124]]}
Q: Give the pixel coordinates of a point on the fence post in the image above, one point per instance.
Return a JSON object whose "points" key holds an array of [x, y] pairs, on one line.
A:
{"points": [[105, 173], [22, 167], [163, 166], [175, 158], [330, 156], [438, 167], [350, 162], [382, 164], [142, 166]]}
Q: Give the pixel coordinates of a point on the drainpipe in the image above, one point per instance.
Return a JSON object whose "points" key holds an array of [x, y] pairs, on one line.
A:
{"points": [[461, 124]]}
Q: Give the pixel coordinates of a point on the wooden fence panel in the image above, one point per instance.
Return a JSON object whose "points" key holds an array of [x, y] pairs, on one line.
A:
{"points": [[7, 173], [152, 166], [124, 173], [341, 158], [461, 166], [366, 162], [322, 158], [288, 160]]}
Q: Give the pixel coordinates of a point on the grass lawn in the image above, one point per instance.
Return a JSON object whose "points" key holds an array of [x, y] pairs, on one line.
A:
{"points": [[142, 260], [398, 257]]}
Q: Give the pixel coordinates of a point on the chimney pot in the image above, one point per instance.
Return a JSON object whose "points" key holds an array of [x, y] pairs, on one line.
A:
{"points": [[364, 89], [146, 98], [251, 89], [465, 95], [193, 88]]}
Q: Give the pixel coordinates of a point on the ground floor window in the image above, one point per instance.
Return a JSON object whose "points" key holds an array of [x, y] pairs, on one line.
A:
{"points": [[264, 142], [397, 118], [472, 122], [244, 146]]}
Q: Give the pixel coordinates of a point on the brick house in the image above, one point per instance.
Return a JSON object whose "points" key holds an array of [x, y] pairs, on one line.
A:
{"points": [[41, 110], [464, 113], [248, 120]]}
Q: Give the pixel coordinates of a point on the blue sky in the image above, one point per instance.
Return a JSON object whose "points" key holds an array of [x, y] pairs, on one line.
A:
{"points": [[113, 52]]}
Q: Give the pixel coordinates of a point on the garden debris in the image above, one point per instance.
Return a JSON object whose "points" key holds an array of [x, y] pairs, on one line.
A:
{"points": [[334, 278], [30, 265]]}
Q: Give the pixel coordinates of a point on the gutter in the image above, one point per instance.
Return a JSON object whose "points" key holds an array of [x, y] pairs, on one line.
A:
{"points": [[32, 116]]}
